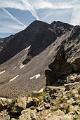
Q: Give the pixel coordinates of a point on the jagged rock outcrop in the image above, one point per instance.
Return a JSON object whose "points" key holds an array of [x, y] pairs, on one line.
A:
{"points": [[67, 58], [59, 68], [60, 27]]}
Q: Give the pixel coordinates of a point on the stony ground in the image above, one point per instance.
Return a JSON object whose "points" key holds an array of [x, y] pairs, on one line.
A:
{"points": [[51, 103]]}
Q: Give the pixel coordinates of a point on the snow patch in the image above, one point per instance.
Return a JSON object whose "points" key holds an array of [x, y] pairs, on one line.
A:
{"points": [[21, 66], [2, 72], [35, 76], [28, 47], [13, 78], [41, 90]]}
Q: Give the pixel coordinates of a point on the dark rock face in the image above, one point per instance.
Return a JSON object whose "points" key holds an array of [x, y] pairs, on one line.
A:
{"points": [[59, 68], [75, 32]]}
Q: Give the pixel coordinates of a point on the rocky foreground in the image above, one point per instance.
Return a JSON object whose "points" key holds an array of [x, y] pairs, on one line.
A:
{"points": [[51, 103]]}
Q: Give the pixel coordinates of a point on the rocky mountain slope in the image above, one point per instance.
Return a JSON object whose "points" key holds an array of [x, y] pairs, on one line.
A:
{"points": [[43, 54]]}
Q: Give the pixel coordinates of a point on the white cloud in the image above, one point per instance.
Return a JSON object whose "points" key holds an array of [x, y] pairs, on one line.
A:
{"points": [[48, 4], [12, 17], [75, 19], [9, 23], [29, 7], [11, 4], [73, 5], [10, 28], [18, 4]]}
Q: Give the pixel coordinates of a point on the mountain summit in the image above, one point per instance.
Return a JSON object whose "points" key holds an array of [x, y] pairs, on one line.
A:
{"points": [[38, 34]]}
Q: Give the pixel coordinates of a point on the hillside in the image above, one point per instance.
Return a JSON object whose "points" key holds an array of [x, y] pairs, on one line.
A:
{"points": [[43, 54]]}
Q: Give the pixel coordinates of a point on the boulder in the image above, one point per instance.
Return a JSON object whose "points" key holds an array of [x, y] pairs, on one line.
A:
{"points": [[21, 102], [28, 115], [4, 115], [32, 102], [47, 105]]}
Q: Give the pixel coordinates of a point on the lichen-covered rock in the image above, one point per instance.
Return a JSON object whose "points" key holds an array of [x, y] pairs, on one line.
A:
{"points": [[71, 85], [32, 102], [4, 115], [21, 101], [4, 102], [73, 78], [28, 115], [33, 115], [25, 115], [47, 105]]}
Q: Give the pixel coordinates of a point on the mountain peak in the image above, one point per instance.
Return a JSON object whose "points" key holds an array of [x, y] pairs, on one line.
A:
{"points": [[37, 25], [59, 23], [38, 34], [60, 27]]}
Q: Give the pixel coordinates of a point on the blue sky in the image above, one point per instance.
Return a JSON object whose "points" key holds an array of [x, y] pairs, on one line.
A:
{"points": [[16, 15]]}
